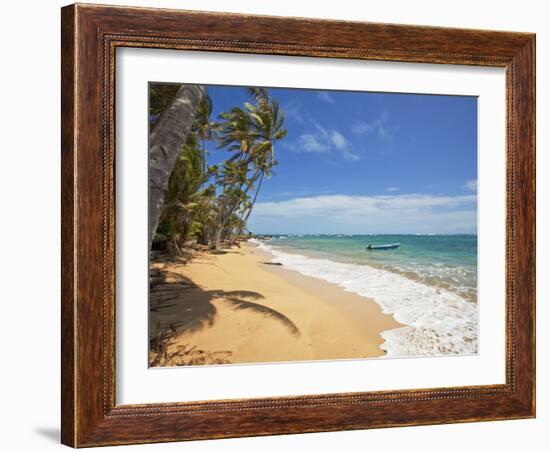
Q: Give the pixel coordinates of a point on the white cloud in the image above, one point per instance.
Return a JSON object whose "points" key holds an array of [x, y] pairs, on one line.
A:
{"points": [[392, 189], [311, 143], [338, 139], [406, 213], [378, 127], [325, 97], [323, 140], [471, 185], [293, 110]]}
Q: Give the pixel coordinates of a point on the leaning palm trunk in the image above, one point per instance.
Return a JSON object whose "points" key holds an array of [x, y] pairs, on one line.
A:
{"points": [[217, 238], [165, 144], [249, 211]]}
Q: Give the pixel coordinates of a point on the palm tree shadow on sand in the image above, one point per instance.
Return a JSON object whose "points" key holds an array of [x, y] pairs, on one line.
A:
{"points": [[177, 305], [238, 301]]}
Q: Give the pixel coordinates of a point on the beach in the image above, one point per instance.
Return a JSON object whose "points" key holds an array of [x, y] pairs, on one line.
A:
{"points": [[239, 306], [428, 283]]}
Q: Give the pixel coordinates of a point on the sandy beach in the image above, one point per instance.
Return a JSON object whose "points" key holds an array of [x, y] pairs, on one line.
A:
{"points": [[237, 307]]}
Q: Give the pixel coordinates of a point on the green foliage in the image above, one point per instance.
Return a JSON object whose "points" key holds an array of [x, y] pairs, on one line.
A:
{"points": [[213, 204], [160, 96]]}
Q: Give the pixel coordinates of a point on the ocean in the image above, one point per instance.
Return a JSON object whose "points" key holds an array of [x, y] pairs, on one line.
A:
{"points": [[429, 283]]}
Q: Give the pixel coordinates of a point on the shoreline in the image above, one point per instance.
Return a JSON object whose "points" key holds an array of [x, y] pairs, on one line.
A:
{"points": [[411, 301], [236, 308]]}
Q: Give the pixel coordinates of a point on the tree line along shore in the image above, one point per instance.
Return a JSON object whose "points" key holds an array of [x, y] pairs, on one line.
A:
{"points": [[194, 203]]}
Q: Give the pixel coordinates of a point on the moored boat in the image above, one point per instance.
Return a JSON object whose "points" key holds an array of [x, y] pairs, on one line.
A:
{"points": [[389, 246]]}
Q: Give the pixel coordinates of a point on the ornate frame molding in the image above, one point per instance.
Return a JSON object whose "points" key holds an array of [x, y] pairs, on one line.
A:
{"points": [[90, 37]]}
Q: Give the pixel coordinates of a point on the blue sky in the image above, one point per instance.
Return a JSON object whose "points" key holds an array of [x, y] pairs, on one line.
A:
{"points": [[357, 163]]}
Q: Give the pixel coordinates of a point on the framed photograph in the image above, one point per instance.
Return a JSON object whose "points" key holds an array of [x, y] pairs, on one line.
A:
{"points": [[281, 225]]}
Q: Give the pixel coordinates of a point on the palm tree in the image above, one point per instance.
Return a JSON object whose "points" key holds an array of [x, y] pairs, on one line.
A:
{"points": [[203, 127], [160, 96], [182, 207], [231, 178], [250, 134], [182, 198], [165, 144], [267, 124]]}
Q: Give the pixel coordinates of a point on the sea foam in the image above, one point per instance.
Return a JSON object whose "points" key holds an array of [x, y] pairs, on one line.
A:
{"points": [[438, 322]]}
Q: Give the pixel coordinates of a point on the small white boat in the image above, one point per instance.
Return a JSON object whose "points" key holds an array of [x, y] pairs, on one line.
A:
{"points": [[389, 246]]}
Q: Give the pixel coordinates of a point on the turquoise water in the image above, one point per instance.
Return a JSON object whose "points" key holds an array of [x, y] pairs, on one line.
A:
{"points": [[429, 283], [443, 261]]}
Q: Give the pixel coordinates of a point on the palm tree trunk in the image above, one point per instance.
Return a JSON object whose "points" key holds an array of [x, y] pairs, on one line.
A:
{"points": [[165, 143], [203, 158], [245, 219], [217, 238]]}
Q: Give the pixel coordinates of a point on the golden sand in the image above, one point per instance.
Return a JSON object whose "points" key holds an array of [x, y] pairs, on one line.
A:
{"points": [[236, 308]]}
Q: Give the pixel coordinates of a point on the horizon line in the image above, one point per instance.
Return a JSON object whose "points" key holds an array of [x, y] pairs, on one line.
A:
{"points": [[369, 233]]}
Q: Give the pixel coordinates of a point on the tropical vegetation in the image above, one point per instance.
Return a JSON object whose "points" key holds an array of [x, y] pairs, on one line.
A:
{"points": [[196, 202]]}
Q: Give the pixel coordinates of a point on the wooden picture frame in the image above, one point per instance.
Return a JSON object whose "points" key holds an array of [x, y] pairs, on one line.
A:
{"points": [[90, 36]]}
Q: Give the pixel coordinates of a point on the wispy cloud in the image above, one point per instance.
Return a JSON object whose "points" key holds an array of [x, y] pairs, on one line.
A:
{"points": [[471, 185], [293, 110], [377, 127], [309, 142], [360, 205], [324, 140], [325, 97], [392, 189], [421, 213]]}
